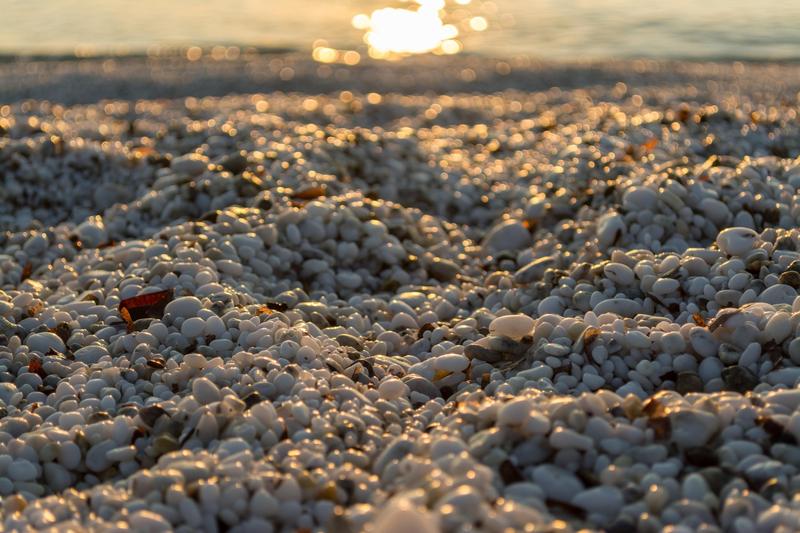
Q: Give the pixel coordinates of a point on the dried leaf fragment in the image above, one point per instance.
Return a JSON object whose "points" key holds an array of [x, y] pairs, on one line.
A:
{"points": [[149, 305]]}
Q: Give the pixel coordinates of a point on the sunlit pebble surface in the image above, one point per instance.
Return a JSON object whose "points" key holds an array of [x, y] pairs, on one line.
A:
{"points": [[548, 310]]}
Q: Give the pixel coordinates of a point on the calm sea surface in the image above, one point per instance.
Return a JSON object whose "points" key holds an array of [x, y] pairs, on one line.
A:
{"points": [[558, 29]]}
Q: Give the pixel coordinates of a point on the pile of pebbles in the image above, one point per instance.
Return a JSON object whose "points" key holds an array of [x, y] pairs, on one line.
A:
{"points": [[556, 310]]}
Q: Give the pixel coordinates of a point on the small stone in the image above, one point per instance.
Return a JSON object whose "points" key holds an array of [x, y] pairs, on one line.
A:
{"points": [[640, 198], [189, 164], [205, 391], [21, 470], [509, 235], [451, 362], [665, 286], [618, 306], [534, 270], [565, 438], [739, 379], [604, 500], [688, 382], [348, 340], [92, 233], [402, 516], [90, 354], [148, 521], [557, 483], [184, 307], [610, 228], [392, 388], [621, 275], [234, 163], [422, 386], [514, 412], [692, 427], [703, 342], [737, 241], [728, 354], [443, 270], [36, 245], [44, 342], [778, 294], [193, 327], [513, 326], [790, 278]]}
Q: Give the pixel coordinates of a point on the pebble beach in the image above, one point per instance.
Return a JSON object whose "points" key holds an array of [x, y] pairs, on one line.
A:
{"points": [[267, 295]]}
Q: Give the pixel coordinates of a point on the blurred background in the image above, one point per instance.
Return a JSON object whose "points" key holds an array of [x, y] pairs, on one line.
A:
{"points": [[347, 31]]}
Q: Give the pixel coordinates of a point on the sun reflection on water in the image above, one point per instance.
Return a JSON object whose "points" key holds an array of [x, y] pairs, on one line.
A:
{"points": [[424, 26], [397, 31]]}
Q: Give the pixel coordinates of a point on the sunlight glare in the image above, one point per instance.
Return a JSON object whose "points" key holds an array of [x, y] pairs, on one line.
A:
{"points": [[478, 23], [393, 32]]}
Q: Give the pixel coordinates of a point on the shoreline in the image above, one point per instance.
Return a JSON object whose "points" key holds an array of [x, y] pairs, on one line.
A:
{"points": [[88, 80]]}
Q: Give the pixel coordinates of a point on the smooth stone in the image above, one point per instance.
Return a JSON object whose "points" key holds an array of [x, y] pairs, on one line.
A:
{"points": [[214, 326], [715, 211], [21, 470], [514, 413], [610, 228], [443, 270], [739, 379], [190, 164], [729, 355], [144, 520], [688, 382], [673, 342], [557, 483], [552, 305], [618, 306], [709, 368], [593, 381], [703, 342], [779, 327], [184, 307], [92, 233], [205, 391], [508, 235], [90, 354], [620, 274], [640, 198], [692, 427], [402, 516], [44, 342], [793, 426], [784, 376], [392, 388], [778, 294], [97, 456], [763, 470], [794, 351], [694, 487], [234, 163], [565, 438], [193, 327], [36, 245], [512, 326], [346, 339], [451, 362], [665, 286], [534, 270], [349, 280], [421, 385], [737, 241], [604, 500], [9, 394]]}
